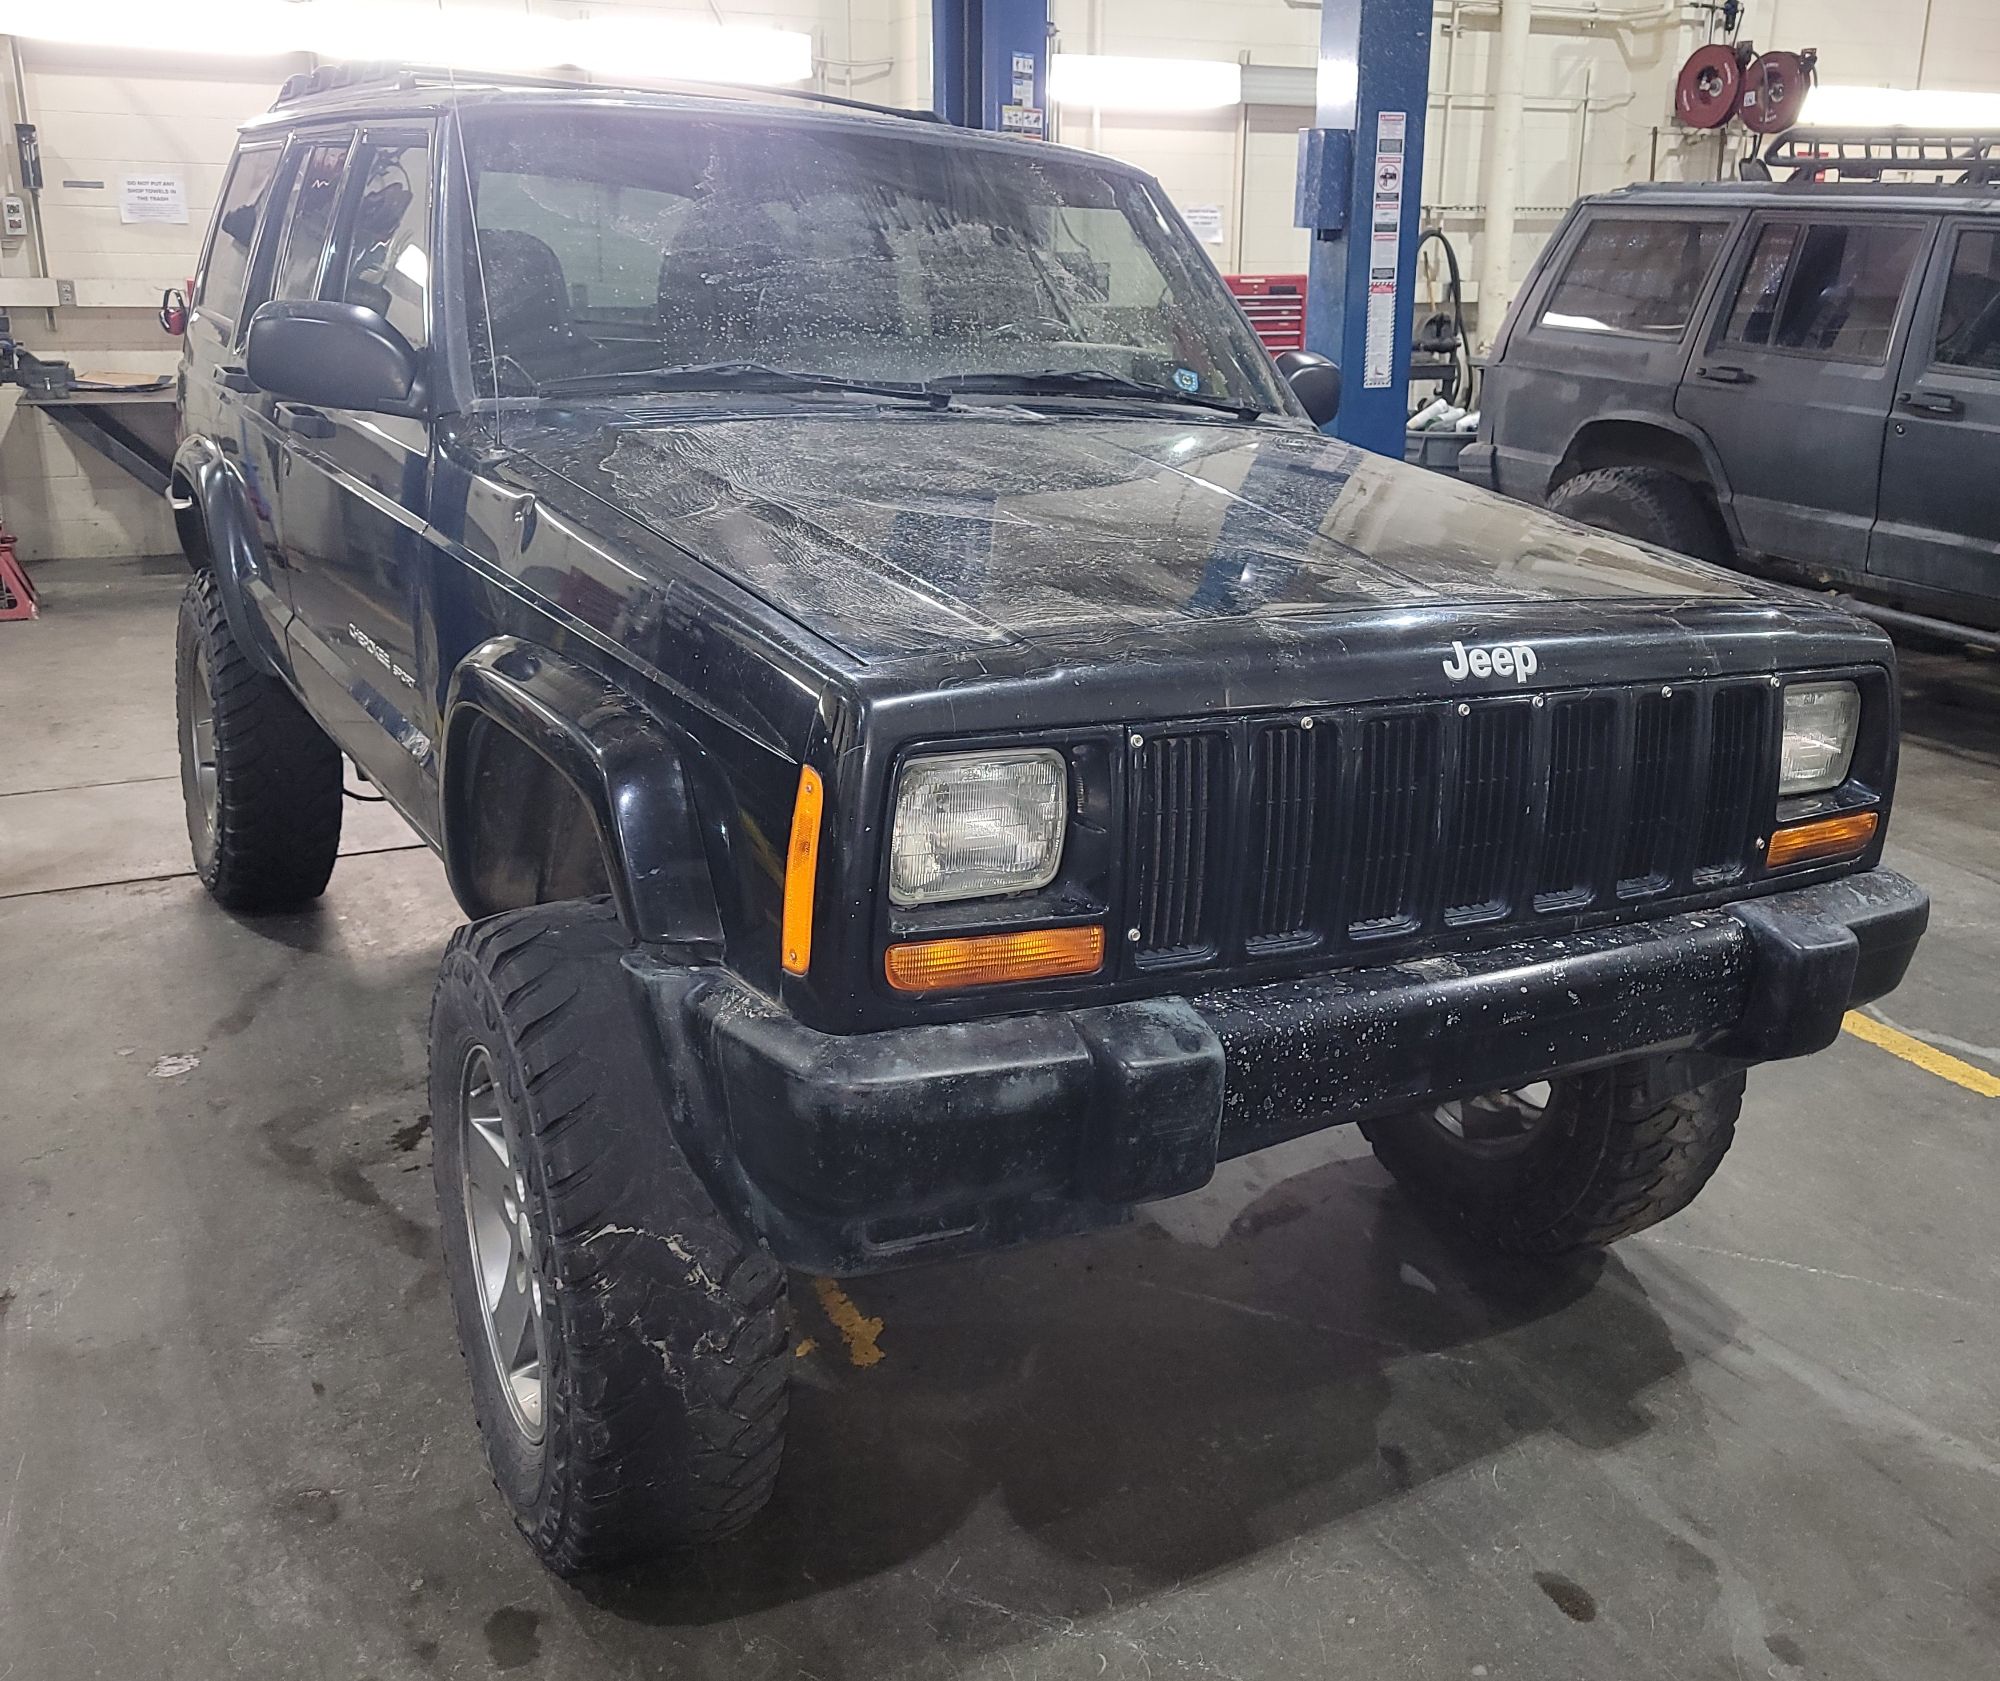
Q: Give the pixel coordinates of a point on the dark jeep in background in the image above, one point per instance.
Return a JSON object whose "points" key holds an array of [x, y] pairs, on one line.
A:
{"points": [[1798, 376], [937, 748]]}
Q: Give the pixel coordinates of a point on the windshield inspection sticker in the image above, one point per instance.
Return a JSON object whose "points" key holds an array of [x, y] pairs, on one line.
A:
{"points": [[1188, 380]]}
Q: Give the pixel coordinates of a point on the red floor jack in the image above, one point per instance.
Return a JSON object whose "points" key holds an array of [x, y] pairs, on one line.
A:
{"points": [[17, 594]]}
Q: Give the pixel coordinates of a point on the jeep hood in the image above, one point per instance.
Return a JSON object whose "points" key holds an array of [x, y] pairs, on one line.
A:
{"points": [[893, 532]]}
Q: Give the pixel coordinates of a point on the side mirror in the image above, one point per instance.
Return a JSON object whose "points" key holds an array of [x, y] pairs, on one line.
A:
{"points": [[1315, 381], [336, 356]]}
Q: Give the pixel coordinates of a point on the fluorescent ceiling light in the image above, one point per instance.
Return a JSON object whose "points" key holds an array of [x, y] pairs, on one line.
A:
{"points": [[1934, 110], [1144, 84], [397, 31]]}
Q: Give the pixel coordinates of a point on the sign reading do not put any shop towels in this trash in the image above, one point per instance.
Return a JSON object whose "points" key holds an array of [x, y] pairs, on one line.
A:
{"points": [[152, 198]]}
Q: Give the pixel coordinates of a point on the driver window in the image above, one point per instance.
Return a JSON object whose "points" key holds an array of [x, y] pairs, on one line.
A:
{"points": [[387, 264]]}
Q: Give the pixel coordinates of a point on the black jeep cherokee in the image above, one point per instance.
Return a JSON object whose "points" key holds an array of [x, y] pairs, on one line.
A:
{"points": [[936, 748]]}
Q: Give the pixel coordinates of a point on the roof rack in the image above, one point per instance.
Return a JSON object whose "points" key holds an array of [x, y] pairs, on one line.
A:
{"points": [[328, 78], [1969, 159]]}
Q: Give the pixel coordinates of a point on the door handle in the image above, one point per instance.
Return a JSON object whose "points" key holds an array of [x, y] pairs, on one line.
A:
{"points": [[1932, 402], [232, 378], [300, 421], [1727, 375]]}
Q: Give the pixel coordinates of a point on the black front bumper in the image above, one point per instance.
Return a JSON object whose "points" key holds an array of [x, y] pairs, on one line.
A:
{"points": [[851, 1152]]}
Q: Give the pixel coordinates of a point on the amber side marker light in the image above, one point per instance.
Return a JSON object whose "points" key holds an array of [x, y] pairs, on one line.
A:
{"points": [[987, 959], [1830, 837], [801, 867]]}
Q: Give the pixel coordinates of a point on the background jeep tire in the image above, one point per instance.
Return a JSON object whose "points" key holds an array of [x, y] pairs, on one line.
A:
{"points": [[658, 1339], [1609, 1154], [1648, 503], [260, 780]]}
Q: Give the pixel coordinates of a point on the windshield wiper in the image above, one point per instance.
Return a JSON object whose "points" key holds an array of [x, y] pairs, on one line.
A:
{"points": [[737, 376], [1091, 382]]}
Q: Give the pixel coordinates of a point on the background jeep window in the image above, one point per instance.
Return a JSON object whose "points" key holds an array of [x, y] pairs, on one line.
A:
{"points": [[387, 260], [315, 194], [1825, 288], [638, 239], [1631, 276], [228, 265], [1969, 327]]}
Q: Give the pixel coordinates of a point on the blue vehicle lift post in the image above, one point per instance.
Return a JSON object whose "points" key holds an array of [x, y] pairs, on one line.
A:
{"points": [[990, 63], [1360, 191]]}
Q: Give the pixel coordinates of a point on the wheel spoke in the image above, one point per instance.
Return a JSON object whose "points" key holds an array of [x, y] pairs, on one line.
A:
{"points": [[514, 1317], [489, 1169]]}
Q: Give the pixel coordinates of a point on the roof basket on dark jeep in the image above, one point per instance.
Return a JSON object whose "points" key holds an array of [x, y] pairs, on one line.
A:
{"points": [[330, 78], [1817, 155]]}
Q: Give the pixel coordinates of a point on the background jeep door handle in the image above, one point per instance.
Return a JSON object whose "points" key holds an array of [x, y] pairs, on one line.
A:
{"points": [[301, 421], [232, 378], [1931, 402], [1727, 375]]}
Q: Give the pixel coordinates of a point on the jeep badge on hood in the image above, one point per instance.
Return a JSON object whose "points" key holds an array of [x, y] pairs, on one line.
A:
{"points": [[1504, 659]]}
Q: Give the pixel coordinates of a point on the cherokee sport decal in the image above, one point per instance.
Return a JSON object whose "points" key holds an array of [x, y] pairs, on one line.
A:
{"points": [[1502, 659]]}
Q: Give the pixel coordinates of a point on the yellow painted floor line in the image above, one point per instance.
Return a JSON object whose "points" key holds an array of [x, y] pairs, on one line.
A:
{"points": [[1927, 1057], [856, 1329]]}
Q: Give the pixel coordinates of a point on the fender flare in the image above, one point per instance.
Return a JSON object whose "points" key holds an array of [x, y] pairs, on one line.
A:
{"points": [[203, 486], [622, 764]]}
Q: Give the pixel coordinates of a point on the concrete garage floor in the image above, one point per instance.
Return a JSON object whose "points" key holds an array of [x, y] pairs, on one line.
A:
{"points": [[1272, 1430]]}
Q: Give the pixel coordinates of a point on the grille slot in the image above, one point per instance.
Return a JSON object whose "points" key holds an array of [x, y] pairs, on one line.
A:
{"points": [[1288, 792], [1656, 818], [1178, 814], [1489, 812], [1394, 814], [1580, 777], [1735, 752]]}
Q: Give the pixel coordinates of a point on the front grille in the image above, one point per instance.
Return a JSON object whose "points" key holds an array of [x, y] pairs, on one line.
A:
{"points": [[1396, 825]]}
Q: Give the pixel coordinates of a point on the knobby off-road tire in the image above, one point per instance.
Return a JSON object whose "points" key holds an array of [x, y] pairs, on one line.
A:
{"points": [[659, 1339], [260, 780], [1609, 1154], [1647, 503]]}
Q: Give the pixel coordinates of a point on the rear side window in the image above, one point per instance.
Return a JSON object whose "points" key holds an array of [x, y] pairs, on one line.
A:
{"points": [[1631, 276], [228, 266], [386, 265], [1825, 289], [1969, 327], [315, 196]]}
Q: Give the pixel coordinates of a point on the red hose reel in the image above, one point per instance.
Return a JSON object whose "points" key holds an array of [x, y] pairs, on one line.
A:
{"points": [[1765, 91]]}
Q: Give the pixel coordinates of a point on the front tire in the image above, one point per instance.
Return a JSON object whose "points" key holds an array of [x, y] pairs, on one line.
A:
{"points": [[260, 780], [628, 1352], [1648, 503], [1570, 1164]]}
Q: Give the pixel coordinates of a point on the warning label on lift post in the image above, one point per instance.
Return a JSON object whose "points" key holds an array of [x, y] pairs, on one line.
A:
{"points": [[1385, 248]]}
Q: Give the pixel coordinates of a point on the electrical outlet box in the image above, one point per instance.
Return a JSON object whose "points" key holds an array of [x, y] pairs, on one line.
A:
{"points": [[13, 217], [66, 294]]}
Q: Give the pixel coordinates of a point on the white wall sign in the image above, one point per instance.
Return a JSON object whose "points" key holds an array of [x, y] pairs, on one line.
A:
{"points": [[1206, 220], [152, 198]]}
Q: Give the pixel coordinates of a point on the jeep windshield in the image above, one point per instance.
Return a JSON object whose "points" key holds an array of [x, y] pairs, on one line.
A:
{"points": [[648, 245]]}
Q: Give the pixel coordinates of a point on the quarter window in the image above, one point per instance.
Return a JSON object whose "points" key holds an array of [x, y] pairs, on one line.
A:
{"points": [[1969, 326], [387, 264], [315, 195], [1825, 289], [1631, 276], [228, 266]]}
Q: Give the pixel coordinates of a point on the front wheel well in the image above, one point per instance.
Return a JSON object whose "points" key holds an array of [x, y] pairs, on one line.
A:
{"points": [[517, 832], [189, 525]]}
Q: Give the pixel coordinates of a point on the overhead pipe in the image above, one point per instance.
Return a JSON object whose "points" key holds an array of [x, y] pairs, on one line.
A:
{"points": [[1502, 185]]}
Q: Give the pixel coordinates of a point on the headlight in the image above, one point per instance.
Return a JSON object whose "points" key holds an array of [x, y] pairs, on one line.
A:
{"points": [[1821, 720], [969, 825]]}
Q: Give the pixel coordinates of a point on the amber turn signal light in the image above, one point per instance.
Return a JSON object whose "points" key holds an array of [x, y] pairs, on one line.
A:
{"points": [[988, 959], [801, 867], [1830, 837]]}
